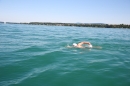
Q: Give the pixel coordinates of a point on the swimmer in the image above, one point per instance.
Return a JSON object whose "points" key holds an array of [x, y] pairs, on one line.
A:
{"points": [[80, 45]]}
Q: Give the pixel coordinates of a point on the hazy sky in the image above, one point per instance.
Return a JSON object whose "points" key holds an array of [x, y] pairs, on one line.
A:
{"points": [[67, 11]]}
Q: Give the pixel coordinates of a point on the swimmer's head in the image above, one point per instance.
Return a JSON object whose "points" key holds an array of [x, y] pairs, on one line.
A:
{"points": [[74, 44], [90, 46]]}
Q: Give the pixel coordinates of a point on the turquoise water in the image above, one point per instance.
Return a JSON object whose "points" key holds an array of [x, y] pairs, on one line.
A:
{"points": [[34, 55]]}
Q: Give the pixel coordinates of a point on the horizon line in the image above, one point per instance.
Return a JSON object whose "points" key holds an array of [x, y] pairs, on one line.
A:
{"points": [[63, 22]]}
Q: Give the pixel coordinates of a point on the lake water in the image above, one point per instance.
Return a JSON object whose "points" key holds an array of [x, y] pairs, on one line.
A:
{"points": [[36, 55]]}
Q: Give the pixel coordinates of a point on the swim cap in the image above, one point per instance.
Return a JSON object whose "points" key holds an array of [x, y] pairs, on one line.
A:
{"points": [[74, 44], [90, 46]]}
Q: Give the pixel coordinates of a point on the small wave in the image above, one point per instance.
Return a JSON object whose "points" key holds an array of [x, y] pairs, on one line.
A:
{"points": [[30, 49], [34, 73], [11, 62], [98, 60]]}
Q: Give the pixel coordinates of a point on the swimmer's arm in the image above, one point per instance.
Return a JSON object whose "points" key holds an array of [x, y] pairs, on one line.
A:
{"points": [[86, 43], [80, 44]]}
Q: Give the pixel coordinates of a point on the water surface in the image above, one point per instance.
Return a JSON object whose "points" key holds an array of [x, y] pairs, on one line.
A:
{"points": [[36, 55]]}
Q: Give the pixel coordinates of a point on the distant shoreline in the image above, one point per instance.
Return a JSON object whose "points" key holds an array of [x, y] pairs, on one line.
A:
{"points": [[101, 25]]}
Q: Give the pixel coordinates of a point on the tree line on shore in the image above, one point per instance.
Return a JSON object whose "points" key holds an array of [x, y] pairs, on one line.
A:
{"points": [[102, 25]]}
